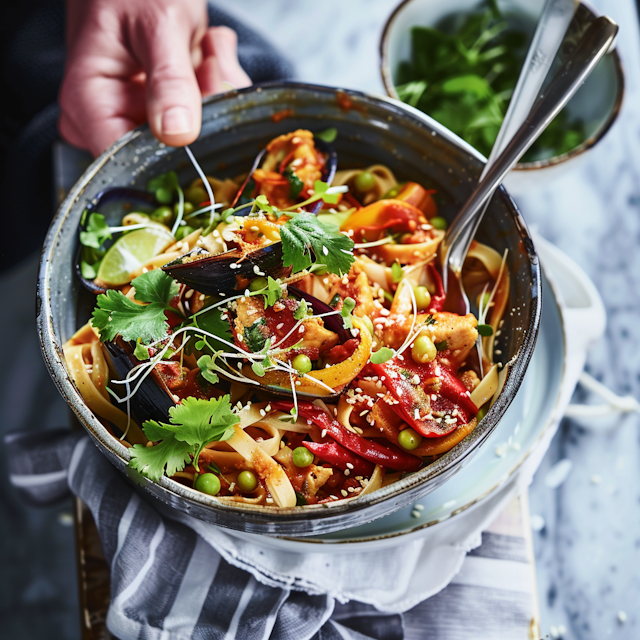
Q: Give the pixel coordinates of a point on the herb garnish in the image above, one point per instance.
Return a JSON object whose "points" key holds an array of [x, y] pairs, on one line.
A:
{"points": [[116, 314], [305, 233], [193, 424], [463, 74]]}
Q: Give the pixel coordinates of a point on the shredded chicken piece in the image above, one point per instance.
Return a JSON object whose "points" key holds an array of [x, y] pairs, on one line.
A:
{"points": [[470, 380], [358, 288], [315, 479]]}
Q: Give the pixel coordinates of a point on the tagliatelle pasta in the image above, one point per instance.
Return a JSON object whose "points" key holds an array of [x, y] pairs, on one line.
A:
{"points": [[290, 344]]}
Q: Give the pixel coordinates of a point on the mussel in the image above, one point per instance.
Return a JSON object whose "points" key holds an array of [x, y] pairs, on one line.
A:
{"points": [[226, 272], [111, 203], [153, 399], [230, 271]]}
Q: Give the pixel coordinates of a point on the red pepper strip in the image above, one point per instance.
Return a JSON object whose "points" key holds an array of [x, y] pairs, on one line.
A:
{"points": [[375, 452], [453, 389], [414, 402], [439, 297], [338, 456]]}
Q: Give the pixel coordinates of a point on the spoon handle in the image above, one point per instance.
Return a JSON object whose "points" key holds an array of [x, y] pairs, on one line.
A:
{"points": [[593, 45]]}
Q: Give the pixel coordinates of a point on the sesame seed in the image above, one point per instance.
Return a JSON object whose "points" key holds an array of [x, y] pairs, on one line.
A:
{"points": [[323, 433], [344, 493], [279, 326]]}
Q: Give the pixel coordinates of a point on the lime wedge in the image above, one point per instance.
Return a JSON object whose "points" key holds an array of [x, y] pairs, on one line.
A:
{"points": [[129, 252]]}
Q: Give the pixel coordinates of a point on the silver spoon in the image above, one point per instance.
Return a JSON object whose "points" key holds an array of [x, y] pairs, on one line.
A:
{"points": [[593, 45]]}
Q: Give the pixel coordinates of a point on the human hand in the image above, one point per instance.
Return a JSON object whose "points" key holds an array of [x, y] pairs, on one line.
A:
{"points": [[131, 61]]}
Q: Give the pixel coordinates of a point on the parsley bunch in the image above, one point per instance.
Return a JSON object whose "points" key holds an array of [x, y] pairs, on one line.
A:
{"points": [[192, 424]]}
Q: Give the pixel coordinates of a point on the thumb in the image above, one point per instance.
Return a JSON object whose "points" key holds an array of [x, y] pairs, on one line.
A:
{"points": [[174, 108]]}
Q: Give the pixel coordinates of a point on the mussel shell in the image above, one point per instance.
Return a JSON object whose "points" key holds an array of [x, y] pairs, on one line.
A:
{"points": [[124, 194], [153, 399], [214, 274]]}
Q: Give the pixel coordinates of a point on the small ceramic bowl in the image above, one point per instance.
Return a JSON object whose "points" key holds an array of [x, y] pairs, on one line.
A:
{"points": [[235, 126], [597, 102]]}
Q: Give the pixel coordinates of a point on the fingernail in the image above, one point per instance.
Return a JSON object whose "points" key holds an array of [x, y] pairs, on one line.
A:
{"points": [[176, 120]]}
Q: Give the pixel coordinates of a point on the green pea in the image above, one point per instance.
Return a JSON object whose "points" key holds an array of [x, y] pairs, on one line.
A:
{"points": [[196, 195], [164, 195], [257, 284], [423, 350], [208, 483], [439, 223], [183, 232], [423, 297], [302, 363], [247, 481], [188, 208], [163, 215], [409, 440], [302, 457], [364, 181], [368, 323]]}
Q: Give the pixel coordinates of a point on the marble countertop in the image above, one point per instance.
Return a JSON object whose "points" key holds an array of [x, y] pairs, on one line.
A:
{"points": [[588, 538]]}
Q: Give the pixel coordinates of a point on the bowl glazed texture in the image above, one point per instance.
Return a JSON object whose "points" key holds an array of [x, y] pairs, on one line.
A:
{"points": [[235, 127]]}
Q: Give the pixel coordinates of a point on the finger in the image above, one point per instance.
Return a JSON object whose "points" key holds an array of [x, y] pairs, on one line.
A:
{"points": [[96, 111], [174, 108], [220, 64]]}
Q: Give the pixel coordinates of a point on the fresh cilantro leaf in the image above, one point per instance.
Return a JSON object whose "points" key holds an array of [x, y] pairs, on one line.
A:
{"points": [[441, 346], [169, 456], [207, 365], [193, 424], [295, 184], [96, 233], [271, 293], [396, 272], [430, 320], [328, 135], [212, 322], [485, 330], [116, 314], [155, 286], [382, 355], [253, 336], [301, 312], [304, 234], [198, 422], [335, 300], [141, 352], [348, 306]]}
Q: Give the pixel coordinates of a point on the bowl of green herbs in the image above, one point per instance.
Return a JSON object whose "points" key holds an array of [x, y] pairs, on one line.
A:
{"points": [[459, 61]]}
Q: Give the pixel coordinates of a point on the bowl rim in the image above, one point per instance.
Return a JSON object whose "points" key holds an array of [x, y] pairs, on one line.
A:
{"points": [[590, 142], [273, 516]]}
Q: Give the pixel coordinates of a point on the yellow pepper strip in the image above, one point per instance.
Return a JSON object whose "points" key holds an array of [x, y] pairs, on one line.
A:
{"points": [[437, 446], [367, 223], [335, 376]]}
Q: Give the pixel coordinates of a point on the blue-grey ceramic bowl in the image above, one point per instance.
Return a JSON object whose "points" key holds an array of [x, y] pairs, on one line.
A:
{"points": [[235, 126]]}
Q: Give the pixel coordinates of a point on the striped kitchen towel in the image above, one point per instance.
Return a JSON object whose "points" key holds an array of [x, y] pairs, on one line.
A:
{"points": [[168, 581]]}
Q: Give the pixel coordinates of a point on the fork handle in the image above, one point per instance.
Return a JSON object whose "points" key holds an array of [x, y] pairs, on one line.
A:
{"points": [[593, 45]]}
